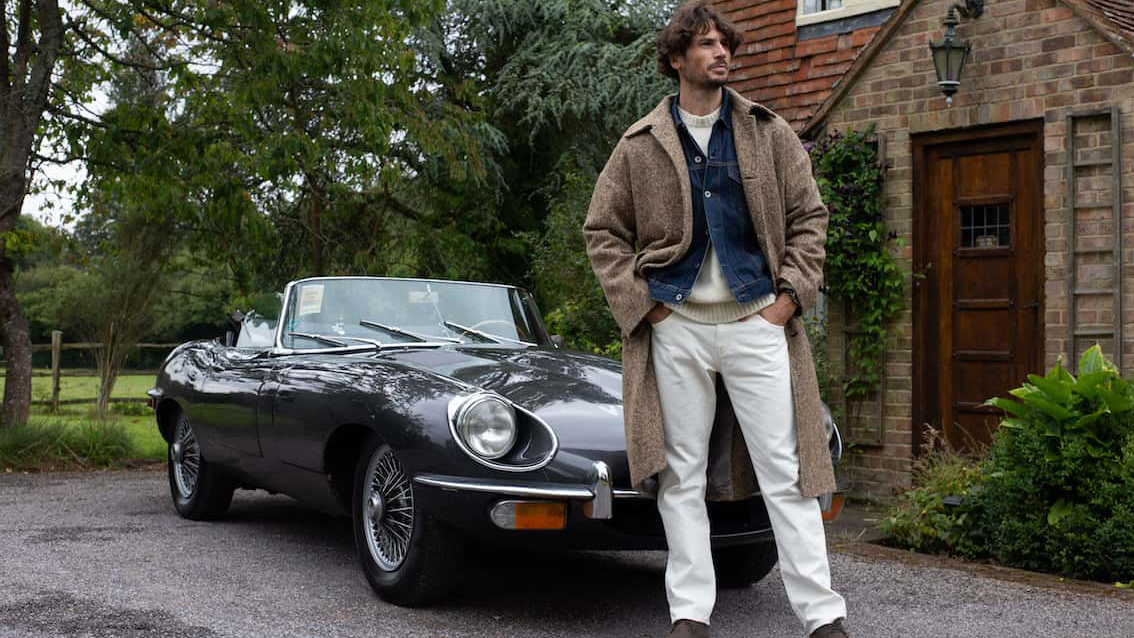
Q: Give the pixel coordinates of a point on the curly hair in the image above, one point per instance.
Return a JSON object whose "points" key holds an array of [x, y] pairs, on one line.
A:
{"points": [[692, 19]]}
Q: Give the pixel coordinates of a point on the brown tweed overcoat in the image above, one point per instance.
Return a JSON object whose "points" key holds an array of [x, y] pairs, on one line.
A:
{"points": [[641, 218]]}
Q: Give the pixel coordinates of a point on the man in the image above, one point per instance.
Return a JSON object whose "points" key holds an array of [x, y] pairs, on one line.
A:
{"points": [[706, 231]]}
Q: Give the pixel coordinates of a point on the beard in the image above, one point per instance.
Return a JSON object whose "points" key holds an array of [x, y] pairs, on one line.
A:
{"points": [[707, 80]]}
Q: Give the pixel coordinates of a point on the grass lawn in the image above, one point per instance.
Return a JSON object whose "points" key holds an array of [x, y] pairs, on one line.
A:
{"points": [[86, 387], [141, 428]]}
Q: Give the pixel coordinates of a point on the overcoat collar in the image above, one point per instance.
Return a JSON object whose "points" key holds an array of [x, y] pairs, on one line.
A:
{"points": [[660, 116], [754, 155]]}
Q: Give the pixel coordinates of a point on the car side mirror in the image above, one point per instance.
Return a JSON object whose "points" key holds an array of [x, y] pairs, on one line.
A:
{"points": [[557, 341]]}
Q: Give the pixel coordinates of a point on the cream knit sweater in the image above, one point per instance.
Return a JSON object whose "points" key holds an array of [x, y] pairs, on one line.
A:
{"points": [[711, 300]]}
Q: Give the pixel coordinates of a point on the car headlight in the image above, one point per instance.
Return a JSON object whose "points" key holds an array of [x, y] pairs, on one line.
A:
{"points": [[487, 426]]}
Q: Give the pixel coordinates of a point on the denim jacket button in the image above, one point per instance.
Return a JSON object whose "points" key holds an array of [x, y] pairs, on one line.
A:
{"points": [[697, 159], [678, 296], [708, 194]]}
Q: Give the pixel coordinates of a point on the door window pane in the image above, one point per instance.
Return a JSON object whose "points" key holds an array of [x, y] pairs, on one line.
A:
{"points": [[985, 226]]}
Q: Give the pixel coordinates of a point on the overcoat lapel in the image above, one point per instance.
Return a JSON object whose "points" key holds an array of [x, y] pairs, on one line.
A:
{"points": [[757, 172], [665, 132]]}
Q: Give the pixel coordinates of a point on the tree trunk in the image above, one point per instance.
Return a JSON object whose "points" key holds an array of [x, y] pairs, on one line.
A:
{"points": [[107, 371], [17, 349], [25, 82]]}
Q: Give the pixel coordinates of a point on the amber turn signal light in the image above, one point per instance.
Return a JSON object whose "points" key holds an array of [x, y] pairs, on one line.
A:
{"points": [[530, 515], [832, 512]]}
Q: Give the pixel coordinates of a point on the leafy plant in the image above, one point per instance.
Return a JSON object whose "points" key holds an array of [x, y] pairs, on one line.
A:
{"points": [[1058, 491], [860, 270], [935, 516]]}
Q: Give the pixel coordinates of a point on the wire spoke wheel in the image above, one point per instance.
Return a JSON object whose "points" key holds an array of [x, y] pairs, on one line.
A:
{"points": [[185, 455], [388, 507]]}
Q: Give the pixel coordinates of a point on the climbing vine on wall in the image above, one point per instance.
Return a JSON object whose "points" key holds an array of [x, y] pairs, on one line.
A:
{"points": [[860, 270]]}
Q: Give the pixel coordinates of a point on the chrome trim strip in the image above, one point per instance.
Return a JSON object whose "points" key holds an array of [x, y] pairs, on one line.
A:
{"points": [[602, 506], [837, 450], [283, 352], [458, 403], [283, 316], [630, 494], [422, 279], [453, 483]]}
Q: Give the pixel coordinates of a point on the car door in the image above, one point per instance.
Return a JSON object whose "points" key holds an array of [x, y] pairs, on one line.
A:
{"points": [[228, 397], [304, 410]]}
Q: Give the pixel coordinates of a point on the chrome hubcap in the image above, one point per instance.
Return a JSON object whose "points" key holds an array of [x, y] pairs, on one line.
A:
{"points": [[389, 510], [185, 455], [377, 509]]}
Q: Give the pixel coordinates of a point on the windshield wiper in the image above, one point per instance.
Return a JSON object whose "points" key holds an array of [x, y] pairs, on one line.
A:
{"points": [[315, 337], [484, 335], [399, 331]]}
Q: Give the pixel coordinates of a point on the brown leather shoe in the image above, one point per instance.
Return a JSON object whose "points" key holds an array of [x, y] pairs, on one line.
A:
{"points": [[689, 629], [831, 630]]}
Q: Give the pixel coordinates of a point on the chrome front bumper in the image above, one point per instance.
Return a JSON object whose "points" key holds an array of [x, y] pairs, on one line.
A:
{"points": [[598, 495]]}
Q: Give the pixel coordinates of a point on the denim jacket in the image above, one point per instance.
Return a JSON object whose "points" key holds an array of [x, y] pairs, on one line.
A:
{"points": [[720, 214]]}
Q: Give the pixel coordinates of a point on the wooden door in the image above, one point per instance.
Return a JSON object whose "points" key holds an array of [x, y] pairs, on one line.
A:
{"points": [[978, 302]]}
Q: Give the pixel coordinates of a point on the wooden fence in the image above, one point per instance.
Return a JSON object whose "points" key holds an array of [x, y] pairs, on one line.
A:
{"points": [[57, 347]]}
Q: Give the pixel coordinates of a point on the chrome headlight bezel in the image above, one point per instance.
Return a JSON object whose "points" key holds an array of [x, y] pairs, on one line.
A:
{"points": [[459, 424], [834, 437]]}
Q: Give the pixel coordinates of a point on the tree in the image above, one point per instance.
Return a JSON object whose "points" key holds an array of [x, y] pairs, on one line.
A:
{"points": [[31, 39], [560, 80]]}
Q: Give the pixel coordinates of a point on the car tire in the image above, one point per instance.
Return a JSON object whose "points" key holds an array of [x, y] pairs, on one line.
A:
{"points": [[200, 492], [405, 569], [743, 565]]}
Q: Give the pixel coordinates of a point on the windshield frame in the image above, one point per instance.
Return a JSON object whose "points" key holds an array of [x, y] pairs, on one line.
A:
{"points": [[527, 305]]}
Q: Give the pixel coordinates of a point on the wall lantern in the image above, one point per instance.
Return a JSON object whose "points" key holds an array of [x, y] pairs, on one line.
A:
{"points": [[950, 52]]}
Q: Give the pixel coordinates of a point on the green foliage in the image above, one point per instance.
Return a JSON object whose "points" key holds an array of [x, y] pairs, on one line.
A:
{"points": [[562, 79], [1058, 494], [1056, 491], [54, 444], [575, 306], [825, 370], [922, 520], [860, 270]]}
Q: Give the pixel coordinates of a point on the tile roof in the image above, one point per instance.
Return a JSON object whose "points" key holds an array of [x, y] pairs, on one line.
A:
{"points": [[1114, 18], [773, 67]]}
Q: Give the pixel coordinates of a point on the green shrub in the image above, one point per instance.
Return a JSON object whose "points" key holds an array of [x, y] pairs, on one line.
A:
{"points": [[1058, 490], [923, 520], [53, 444], [131, 408]]}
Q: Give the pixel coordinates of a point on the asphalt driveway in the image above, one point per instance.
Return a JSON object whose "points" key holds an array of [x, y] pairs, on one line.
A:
{"points": [[105, 555]]}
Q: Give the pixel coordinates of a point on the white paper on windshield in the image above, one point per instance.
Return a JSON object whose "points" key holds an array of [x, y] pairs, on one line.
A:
{"points": [[311, 299]]}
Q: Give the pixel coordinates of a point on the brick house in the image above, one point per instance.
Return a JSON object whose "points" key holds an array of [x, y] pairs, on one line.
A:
{"points": [[1006, 199]]}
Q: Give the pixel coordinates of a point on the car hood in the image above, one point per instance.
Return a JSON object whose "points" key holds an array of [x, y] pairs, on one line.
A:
{"points": [[579, 395]]}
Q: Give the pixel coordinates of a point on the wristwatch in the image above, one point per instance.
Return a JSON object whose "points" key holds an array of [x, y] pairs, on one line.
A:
{"points": [[786, 287]]}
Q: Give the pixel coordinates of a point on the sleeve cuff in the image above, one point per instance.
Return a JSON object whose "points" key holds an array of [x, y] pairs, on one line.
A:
{"points": [[784, 286]]}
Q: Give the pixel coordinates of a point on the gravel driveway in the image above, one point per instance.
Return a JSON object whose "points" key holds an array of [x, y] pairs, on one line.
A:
{"points": [[104, 554]]}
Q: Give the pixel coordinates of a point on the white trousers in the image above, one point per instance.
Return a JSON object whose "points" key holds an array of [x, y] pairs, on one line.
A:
{"points": [[752, 358]]}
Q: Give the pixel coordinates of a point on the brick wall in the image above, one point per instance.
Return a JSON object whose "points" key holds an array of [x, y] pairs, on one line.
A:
{"points": [[1030, 59]]}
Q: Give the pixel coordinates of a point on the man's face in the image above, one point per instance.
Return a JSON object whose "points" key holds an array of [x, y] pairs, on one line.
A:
{"points": [[705, 62]]}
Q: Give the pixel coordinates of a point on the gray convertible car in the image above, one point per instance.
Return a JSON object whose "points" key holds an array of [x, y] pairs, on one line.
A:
{"points": [[433, 413]]}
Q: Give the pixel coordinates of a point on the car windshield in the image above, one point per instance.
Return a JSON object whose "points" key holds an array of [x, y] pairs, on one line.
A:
{"points": [[323, 313]]}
